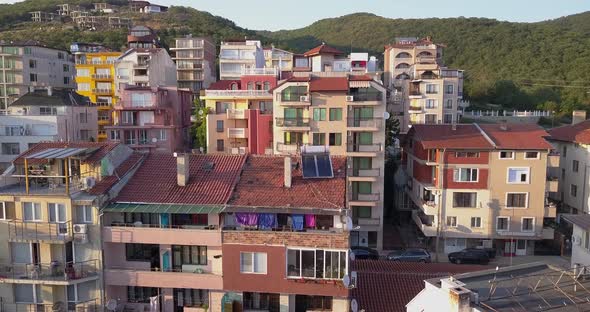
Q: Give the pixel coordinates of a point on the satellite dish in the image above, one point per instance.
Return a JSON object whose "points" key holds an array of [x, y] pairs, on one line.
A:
{"points": [[354, 306], [112, 305], [346, 281], [386, 115], [351, 255], [154, 140]]}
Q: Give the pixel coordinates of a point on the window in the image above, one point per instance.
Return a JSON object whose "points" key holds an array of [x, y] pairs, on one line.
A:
{"points": [[2, 211], [115, 135], [314, 303], [57, 212], [464, 200], [531, 155], [32, 77], [575, 165], [188, 255], [319, 114], [502, 223], [66, 80], [141, 99], [84, 213], [430, 103], [253, 262], [449, 89], [431, 89], [266, 86], [83, 117], [448, 118], [506, 155], [141, 252], [83, 87], [32, 63], [335, 114], [451, 221], [220, 147], [222, 107], [318, 263], [27, 50], [136, 294], [528, 224], [516, 200], [66, 68], [587, 240], [43, 110], [466, 154], [10, 148], [465, 175], [564, 151], [293, 93], [32, 211], [360, 212], [186, 297], [319, 139], [81, 72], [60, 55], [162, 135], [219, 127], [128, 117], [335, 139], [449, 104], [476, 222], [261, 301], [574, 190], [518, 175]]}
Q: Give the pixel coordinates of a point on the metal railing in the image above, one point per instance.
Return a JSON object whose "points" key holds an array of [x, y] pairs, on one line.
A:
{"points": [[292, 122], [415, 108], [39, 185], [364, 122], [102, 76], [366, 98], [164, 226], [102, 91], [288, 148], [293, 97], [86, 306], [359, 147], [364, 197], [370, 173], [21, 230], [54, 271], [245, 93]]}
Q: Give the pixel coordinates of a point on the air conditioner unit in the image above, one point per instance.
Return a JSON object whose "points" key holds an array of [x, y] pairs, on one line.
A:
{"points": [[235, 151], [304, 98], [349, 98], [80, 228]]}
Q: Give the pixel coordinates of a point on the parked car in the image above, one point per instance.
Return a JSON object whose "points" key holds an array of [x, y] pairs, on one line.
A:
{"points": [[470, 255], [365, 253], [490, 251], [410, 255]]}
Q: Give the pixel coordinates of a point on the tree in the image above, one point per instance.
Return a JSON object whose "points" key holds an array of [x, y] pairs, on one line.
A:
{"points": [[200, 125]]}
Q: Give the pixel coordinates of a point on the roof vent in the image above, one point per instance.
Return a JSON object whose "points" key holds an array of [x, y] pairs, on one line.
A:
{"points": [[504, 126], [209, 165]]}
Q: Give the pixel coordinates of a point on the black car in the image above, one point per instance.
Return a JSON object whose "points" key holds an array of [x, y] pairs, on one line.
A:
{"points": [[470, 255], [410, 255], [490, 251], [365, 253]]}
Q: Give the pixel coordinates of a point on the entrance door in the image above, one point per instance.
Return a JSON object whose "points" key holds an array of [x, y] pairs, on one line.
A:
{"points": [[509, 248], [164, 220], [166, 261], [521, 247]]}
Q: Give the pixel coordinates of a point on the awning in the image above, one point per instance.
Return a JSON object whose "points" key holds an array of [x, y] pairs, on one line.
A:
{"points": [[163, 208], [360, 84], [57, 153]]}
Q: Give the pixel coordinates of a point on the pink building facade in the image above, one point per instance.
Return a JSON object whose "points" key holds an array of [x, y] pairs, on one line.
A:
{"points": [[152, 118]]}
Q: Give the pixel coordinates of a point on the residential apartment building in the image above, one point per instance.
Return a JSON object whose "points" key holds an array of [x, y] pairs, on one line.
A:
{"points": [[481, 185], [29, 64], [572, 144], [50, 229], [580, 239], [142, 37], [95, 78], [195, 62], [277, 58], [342, 113], [152, 118], [45, 115], [325, 58], [240, 114], [238, 55], [146, 68], [424, 91]]}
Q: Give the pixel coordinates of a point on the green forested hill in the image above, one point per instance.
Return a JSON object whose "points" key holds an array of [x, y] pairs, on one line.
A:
{"points": [[520, 65]]}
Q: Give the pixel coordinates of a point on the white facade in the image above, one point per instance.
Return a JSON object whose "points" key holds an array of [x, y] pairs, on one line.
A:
{"points": [[574, 172], [580, 247], [234, 57], [145, 67]]}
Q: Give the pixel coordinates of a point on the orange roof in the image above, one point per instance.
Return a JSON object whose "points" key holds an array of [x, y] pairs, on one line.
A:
{"points": [[322, 49], [328, 84], [517, 136], [443, 136], [103, 148], [107, 182], [578, 133]]}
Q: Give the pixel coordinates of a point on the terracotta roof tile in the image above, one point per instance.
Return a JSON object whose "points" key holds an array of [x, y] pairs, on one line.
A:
{"points": [[223, 85], [322, 49], [155, 181], [103, 149], [105, 184], [384, 286], [262, 184], [517, 136], [328, 84], [578, 133], [443, 136]]}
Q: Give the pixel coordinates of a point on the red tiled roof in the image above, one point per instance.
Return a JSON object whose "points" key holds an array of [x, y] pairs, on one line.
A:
{"points": [[322, 49], [384, 286], [443, 136], [262, 184], [517, 136], [105, 184], [223, 85], [360, 78], [578, 133], [328, 84], [103, 148], [155, 181]]}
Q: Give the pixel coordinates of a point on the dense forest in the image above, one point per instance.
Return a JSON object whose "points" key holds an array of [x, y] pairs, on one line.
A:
{"points": [[544, 65]]}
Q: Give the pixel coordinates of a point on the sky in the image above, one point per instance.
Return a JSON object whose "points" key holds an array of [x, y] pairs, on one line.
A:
{"points": [[275, 15]]}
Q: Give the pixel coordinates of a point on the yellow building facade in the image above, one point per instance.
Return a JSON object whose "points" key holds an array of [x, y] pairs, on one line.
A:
{"points": [[95, 78]]}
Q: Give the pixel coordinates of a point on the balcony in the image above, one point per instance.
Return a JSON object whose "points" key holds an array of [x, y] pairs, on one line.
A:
{"points": [[21, 231], [552, 184], [236, 94], [415, 109], [360, 199], [104, 120], [40, 185], [360, 150], [369, 175], [415, 93], [292, 99], [102, 77], [102, 91], [273, 71], [365, 124], [367, 221], [427, 228], [364, 99], [87, 306], [103, 105], [301, 124], [53, 273], [288, 148], [153, 234], [553, 160], [236, 114], [237, 133], [550, 210], [188, 277]]}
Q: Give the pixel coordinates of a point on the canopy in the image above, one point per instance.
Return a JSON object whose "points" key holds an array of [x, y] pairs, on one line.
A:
{"points": [[163, 208]]}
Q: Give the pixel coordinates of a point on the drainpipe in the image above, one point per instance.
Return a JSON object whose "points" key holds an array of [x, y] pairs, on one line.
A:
{"points": [[440, 203]]}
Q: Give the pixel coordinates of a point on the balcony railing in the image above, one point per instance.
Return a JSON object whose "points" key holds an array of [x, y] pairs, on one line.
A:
{"points": [[38, 184], [236, 114], [366, 98], [54, 271], [292, 122], [238, 93], [237, 133], [19, 230], [273, 71], [415, 108], [369, 122], [87, 306], [102, 91], [360, 148], [102, 76], [372, 197], [288, 148], [370, 173]]}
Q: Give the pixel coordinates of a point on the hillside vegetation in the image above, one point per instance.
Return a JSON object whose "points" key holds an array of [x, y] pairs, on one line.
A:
{"points": [[544, 65]]}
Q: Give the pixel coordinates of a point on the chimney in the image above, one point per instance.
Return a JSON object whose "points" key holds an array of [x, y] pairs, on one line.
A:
{"points": [[288, 170], [578, 116], [49, 91], [182, 169]]}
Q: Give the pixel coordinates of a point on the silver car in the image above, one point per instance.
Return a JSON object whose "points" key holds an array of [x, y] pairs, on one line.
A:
{"points": [[410, 255]]}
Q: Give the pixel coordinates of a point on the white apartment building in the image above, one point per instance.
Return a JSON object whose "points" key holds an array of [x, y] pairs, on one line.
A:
{"points": [[30, 64], [45, 115], [195, 62], [145, 67], [237, 56]]}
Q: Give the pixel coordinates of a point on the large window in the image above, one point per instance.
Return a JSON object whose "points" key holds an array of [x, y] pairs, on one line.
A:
{"points": [[293, 93], [141, 252], [518, 175], [310, 263], [253, 262], [10, 148], [366, 94], [84, 213], [319, 139], [465, 175], [502, 223], [188, 255], [57, 212], [516, 200], [335, 114], [141, 99], [136, 294], [319, 114], [476, 222], [528, 224], [464, 199], [186, 297], [261, 301], [31, 211]]}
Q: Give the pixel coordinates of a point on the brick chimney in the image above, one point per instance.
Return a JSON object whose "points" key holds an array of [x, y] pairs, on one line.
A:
{"points": [[288, 173], [182, 169], [578, 116]]}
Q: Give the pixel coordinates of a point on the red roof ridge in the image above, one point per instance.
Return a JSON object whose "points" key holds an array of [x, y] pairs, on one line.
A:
{"points": [[322, 49]]}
